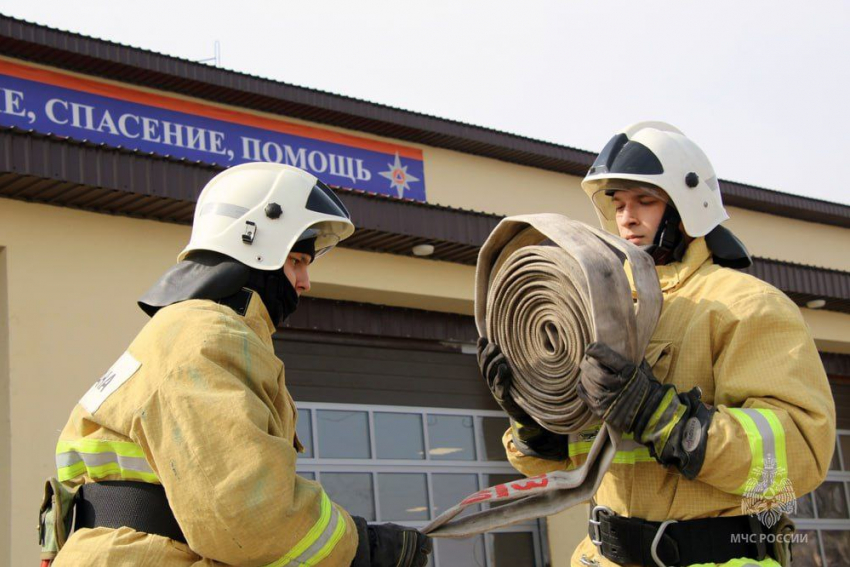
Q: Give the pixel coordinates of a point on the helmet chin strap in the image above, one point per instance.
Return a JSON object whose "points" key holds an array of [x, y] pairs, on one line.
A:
{"points": [[669, 243]]}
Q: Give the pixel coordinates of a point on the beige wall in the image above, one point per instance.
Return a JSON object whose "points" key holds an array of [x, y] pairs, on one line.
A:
{"points": [[780, 238], [492, 186], [72, 282], [5, 419], [831, 330], [566, 530], [399, 281]]}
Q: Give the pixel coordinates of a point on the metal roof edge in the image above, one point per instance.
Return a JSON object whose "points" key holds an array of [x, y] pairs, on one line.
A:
{"points": [[102, 57]]}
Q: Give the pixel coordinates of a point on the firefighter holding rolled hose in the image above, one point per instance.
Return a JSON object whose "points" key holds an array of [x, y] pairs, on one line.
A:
{"points": [[729, 414]]}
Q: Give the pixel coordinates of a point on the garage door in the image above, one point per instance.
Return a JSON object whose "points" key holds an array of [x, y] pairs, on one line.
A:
{"points": [[399, 432]]}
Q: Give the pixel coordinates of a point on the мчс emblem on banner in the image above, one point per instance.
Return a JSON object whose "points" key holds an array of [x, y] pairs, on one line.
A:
{"points": [[398, 176]]}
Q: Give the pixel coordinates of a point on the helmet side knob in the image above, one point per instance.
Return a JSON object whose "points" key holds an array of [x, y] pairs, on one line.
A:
{"points": [[273, 211], [692, 180]]}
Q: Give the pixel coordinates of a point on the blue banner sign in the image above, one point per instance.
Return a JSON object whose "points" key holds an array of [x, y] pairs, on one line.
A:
{"points": [[117, 115]]}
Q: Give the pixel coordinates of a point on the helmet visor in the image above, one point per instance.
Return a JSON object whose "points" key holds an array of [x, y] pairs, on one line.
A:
{"points": [[327, 233], [605, 199], [323, 200], [621, 155]]}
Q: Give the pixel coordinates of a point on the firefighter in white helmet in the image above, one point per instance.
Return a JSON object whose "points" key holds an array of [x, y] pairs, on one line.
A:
{"points": [[730, 414], [184, 453]]}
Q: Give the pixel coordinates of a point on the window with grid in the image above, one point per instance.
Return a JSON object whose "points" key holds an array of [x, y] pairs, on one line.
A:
{"points": [[824, 515], [407, 465]]}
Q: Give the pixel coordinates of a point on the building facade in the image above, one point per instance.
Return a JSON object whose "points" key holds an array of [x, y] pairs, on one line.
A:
{"points": [[103, 151]]}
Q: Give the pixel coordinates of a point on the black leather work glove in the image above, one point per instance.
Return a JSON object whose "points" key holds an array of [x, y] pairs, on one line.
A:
{"points": [[390, 545], [674, 426], [529, 437]]}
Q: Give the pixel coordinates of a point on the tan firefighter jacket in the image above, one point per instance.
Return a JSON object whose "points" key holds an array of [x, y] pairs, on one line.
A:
{"points": [[199, 404], [746, 345]]}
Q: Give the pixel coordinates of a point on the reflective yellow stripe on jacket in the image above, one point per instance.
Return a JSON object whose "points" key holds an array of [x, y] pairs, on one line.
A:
{"points": [[769, 464], [100, 459], [319, 541], [630, 452], [668, 413]]}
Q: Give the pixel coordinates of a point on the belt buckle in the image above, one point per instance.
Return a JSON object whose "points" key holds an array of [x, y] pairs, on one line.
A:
{"points": [[654, 549], [596, 536]]}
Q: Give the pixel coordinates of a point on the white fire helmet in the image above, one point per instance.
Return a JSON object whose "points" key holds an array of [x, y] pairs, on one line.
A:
{"points": [[657, 154], [256, 212]]}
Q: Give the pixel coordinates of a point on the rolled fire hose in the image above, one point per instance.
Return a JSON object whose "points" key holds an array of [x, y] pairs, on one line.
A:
{"points": [[546, 287]]}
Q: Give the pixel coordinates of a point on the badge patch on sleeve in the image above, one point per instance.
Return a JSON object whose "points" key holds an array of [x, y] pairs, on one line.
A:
{"points": [[120, 372]]}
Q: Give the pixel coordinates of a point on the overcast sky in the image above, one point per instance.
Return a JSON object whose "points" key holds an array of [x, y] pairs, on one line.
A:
{"points": [[762, 86]]}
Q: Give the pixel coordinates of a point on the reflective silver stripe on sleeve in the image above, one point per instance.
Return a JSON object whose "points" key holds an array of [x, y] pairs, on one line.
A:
{"points": [[322, 540], [223, 209], [768, 444], [136, 464], [67, 459]]}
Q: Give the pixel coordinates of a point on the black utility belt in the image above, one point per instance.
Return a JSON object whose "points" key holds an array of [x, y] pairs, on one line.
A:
{"points": [[671, 543], [122, 503]]}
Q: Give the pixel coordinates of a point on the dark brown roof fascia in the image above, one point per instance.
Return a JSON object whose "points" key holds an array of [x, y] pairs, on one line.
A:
{"points": [[366, 319], [379, 321], [784, 204], [805, 283], [836, 364], [53, 170], [75, 52]]}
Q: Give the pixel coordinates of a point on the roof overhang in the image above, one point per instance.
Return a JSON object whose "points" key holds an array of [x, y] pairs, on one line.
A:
{"points": [[47, 169], [75, 52]]}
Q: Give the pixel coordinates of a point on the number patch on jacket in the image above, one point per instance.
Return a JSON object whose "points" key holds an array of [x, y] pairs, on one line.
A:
{"points": [[120, 372]]}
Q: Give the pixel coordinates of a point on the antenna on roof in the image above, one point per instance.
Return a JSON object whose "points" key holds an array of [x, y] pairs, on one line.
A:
{"points": [[216, 59]]}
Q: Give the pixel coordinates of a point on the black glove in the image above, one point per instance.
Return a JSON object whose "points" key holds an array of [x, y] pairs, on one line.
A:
{"points": [[529, 437], [674, 426], [390, 545]]}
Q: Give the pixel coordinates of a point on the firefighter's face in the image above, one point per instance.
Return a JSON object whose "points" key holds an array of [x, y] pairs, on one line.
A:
{"points": [[296, 271], [638, 215]]}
